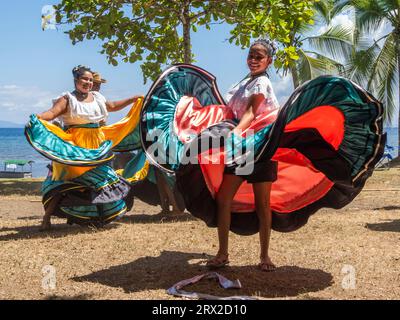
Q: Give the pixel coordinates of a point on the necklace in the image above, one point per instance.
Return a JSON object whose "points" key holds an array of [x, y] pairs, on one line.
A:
{"points": [[80, 95], [252, 77]]}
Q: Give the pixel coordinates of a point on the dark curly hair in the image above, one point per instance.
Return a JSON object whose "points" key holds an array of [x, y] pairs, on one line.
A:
{"points": [[78, 71], [269, 46]]}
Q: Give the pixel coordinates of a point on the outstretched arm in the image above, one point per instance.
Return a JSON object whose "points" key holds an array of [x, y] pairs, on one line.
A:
{"points": [[59, 107], [113, 106]]}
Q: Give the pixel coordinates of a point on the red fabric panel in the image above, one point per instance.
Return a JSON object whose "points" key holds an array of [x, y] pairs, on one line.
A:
{"points": [[327, 119], [299, 183], [192, 117]]}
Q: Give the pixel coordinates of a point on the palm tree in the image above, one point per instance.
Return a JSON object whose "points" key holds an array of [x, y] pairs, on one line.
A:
{"points": [[328, 48], [376, 63]]}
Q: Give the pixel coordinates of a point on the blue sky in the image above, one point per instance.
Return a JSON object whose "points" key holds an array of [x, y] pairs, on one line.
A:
{"points": [[35, 65]]}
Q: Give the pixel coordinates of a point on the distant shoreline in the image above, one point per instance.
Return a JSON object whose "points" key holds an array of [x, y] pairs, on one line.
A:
{"points": [[16, 126]]}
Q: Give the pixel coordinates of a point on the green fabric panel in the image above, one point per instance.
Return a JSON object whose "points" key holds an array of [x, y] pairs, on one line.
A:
{"points": [[236, 145], [160, 111], [49, 185], [130, 142], [134, 165], [56, 149], [95, 211], [98, 177], [359, 140], [86, 125], [151, 176]]}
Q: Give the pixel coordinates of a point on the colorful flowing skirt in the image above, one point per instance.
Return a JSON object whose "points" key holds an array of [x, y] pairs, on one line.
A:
{"points": [[82, 186], [326, 139]]}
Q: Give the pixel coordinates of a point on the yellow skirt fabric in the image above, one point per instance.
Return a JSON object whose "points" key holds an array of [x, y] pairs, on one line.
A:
{"points": [[91, 138]]}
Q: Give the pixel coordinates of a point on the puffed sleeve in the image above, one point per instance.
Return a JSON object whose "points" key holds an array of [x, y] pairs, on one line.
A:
{"points": [[101, 100], [261, 85]]}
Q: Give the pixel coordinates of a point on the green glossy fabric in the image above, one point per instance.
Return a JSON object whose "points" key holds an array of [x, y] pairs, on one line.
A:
{"points": [[134, 165], [359, 142], [358, 145], [97, 178], [160, 110], [49, 184], [95, 211], [56, 149], [86, 125], [130, 143]]}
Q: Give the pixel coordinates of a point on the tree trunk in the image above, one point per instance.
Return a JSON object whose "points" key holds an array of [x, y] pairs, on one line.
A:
{"points": [[295, 76], [186, 33]]}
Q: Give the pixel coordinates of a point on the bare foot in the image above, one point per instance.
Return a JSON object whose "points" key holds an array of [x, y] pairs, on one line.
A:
{"points": [[46, 225], [266, 265], [177, 212], [164, 212]]}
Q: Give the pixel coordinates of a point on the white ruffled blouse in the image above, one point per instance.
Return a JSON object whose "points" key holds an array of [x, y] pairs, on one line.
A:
{"points": [[238, 96], [79, 112]]}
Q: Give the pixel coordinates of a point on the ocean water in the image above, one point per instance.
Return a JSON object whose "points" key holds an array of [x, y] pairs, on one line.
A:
{"points": [[13, 146], [392, 141]]}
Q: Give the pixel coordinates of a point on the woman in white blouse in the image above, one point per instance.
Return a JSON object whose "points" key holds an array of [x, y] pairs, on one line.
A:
{"points": [[248, 99], [82, 105], [82, 113]]}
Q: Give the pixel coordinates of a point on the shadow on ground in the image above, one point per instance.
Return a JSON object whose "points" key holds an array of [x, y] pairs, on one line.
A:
{"points": [[388, 208], [76, 297], [389, 226], [20, 186], [57, 231], [157, 218], [162, 272]]}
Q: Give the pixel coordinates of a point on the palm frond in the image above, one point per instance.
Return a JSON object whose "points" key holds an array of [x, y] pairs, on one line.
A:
{"points": [[313, 64], [370, 15], [384, 76], [386, 57], [386, 93], [305, 28], [340, 6], [336, 41], [323, 10], [358, 67], [304, 67], [331, 66], [389, 5]]}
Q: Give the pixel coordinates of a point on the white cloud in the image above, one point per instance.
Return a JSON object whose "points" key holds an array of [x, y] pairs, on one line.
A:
{"points": [[283, 87], [27, 98], [9, 87], [18, 102], [8, 105], [344, 19]]}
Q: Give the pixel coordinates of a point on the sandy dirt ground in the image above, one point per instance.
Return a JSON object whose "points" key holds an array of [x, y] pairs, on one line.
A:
{"points": [[352, 253]]}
